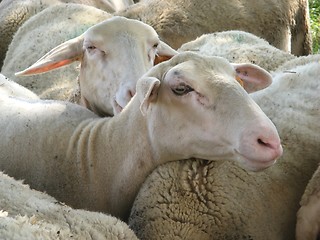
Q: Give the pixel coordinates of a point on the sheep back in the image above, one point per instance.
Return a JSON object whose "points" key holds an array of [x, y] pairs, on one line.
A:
{"points": [[196, 199], [281, 23], [239, 47], [29, 214]]}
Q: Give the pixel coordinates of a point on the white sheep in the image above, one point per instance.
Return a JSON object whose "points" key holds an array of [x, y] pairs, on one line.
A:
{"points": [[13, 13], [113, 55], [239, 47], [197, 199], [190, 106], [29, 214], [284, 24]]}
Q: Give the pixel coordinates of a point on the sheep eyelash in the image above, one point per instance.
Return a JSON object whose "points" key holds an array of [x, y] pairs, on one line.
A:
{"points": [[91, 47]]}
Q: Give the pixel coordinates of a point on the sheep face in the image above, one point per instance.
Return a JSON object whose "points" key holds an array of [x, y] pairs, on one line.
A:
{"points": [[114, 54], [204, 99], [117, 52]]}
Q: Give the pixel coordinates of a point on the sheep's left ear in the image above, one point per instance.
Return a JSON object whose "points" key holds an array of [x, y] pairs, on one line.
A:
{"points": [[164, 53], [252, 77], [62, 55], [147, 90]]}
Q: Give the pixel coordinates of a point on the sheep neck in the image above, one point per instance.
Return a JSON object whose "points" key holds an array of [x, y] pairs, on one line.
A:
{"points": [[115, 179]]}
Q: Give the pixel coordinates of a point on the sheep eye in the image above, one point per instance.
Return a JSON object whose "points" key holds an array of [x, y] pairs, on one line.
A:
{"points": [[91, 47], [155, 45], [182, 89]]}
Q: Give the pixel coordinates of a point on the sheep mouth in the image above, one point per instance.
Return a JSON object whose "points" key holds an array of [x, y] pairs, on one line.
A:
{"points": [[255, 164], [116, 107]]}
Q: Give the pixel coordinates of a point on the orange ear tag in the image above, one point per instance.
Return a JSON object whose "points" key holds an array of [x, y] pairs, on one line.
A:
{"points": [[239, 80]]}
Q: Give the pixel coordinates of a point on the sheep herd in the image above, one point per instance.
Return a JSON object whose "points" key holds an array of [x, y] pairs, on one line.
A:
{"points": [[158, 120]]}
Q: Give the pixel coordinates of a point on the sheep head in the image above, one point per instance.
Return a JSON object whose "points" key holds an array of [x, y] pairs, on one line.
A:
{"points": [[208, 103], [113, 55]]}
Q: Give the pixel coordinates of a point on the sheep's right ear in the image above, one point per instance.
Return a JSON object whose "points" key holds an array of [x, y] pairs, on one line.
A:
{"points": [[252, 77], [147, 90], [164, 53], [59, 56]]}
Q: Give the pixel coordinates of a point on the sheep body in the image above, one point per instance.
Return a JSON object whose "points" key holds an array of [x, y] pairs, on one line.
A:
{"points": [[80, 158], [11, 88], [300, 61], [29, 214], [239, 47], [284, 24], [60, 83], [196, 199]]}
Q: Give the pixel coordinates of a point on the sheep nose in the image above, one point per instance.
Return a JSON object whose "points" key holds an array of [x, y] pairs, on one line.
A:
{"points": [[131, 92], [271, 145], [260, 146], [124, 95], [128, 94]]}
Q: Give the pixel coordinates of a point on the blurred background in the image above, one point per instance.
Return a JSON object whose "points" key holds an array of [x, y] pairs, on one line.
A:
{"points": [[314, 6]]}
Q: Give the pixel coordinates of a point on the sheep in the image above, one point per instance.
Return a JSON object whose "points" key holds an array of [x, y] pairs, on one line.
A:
{"points": [[284, 24], [13, 13], [112, 59], [11, 88], [239, 47], [93, 163], [307, 226], [29, 214], [197, 199]]}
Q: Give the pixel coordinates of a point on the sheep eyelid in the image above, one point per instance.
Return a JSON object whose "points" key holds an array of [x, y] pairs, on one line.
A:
{"points": [[182, 90], [91, 47], [155, 45]]}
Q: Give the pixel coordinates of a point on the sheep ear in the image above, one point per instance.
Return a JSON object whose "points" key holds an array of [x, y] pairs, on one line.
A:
{"points": [[147, 90], [59, 56], [252, 77], [165, 52]]}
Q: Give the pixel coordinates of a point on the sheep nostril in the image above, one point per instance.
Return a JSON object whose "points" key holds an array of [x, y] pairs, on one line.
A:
{"points": [[264, 144], [131, 93]]}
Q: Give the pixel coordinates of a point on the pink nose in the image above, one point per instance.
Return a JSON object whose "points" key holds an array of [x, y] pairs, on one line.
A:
{"points": [[270, 145], [260, 146], [124, 96]]}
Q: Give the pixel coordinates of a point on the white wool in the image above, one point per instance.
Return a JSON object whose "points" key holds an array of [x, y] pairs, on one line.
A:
{"points": [[284, 24], [29, 214], [239, 47]]}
